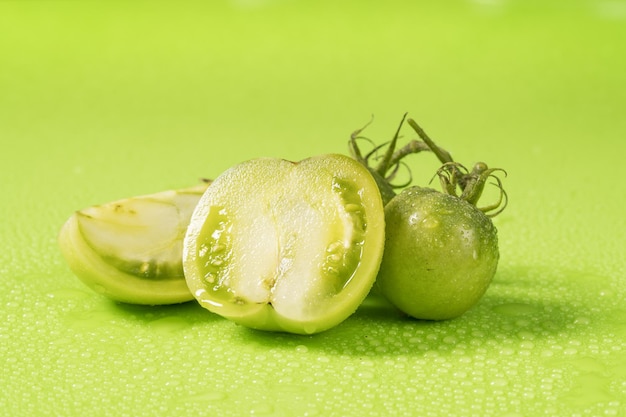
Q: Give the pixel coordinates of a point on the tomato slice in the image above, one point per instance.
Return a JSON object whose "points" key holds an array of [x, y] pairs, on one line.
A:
{"points": [[282, 246], [130, 250]]}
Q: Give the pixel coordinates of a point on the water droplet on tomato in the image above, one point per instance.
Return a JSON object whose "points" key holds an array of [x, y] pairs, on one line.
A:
{"points": [[99, 289], [430, 222]]}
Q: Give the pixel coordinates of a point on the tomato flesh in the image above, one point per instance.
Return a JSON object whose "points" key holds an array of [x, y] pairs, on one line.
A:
{"points": [[284, 246], [130, 250]]}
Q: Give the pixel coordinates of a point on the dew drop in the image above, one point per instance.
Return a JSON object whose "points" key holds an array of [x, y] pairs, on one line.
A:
{"points": [[588, 389], [527, 345], [209, 396], [525, 335], [514, 309], [507, 351], [499, 382], [587, 364], [413, 218], [100, 289], [68, 294], [168, 324], [365, 375], [262, 410], [430, 222]]}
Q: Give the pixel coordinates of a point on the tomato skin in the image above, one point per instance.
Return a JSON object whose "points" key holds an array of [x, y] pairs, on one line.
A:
{"points": [[441, 254]]}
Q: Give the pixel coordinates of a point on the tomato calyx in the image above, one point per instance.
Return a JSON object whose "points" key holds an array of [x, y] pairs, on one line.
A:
{"points": [[385, 161], [457, 180], [387, 166]]}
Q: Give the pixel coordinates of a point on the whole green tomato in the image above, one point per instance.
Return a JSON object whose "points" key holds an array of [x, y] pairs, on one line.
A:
{"points": [[440, 256], [441, 249]]}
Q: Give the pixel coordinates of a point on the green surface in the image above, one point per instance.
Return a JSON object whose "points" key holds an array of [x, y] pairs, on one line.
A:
{"points": [[104, 100]]}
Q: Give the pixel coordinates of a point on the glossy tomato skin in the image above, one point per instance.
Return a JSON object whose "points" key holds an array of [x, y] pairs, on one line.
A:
{"points": [[441, 254]]}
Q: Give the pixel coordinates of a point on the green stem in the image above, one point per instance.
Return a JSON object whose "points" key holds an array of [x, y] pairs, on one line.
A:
{"points": [[384, 164], [354, 148], [443, 155], [414, 146]]}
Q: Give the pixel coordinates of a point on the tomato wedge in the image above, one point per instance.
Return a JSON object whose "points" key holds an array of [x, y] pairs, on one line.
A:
{"points": [[283, 246], [130, 250]]}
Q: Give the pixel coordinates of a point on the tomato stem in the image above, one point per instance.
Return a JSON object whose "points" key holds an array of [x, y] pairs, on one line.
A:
{"points": [[443, 155], [354, 148], [453, 174], [415, 146], [384, 165], [455, 179]]}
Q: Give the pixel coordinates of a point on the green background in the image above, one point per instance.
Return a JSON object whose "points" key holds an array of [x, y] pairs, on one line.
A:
{"points": [[104, 100]]}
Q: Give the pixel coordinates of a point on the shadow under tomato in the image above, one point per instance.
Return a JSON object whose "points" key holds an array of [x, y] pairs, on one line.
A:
{"points": [[523, 304], [189, 312]]}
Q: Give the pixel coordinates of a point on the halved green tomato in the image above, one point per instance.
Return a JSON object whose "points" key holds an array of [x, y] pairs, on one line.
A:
{"points": [[131, 250], [283, 246]]}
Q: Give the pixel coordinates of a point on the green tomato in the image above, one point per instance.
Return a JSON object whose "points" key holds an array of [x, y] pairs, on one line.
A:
{"points": [[441, 254], [131, 250], [283, 246]]}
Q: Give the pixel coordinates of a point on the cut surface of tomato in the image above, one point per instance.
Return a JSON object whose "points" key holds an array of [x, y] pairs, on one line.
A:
{"points": [[130, 250], [284, 246]]}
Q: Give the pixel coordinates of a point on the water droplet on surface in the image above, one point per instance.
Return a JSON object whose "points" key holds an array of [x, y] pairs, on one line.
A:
{"points": [[365, 375], [499, 382], [301, 349], [527, 345], [515, 309], [587, 364], [588, 389], [207, 397], [507, 351], [525, 335], [68, 294], [582, 321], [262, 410], [168, 324]]}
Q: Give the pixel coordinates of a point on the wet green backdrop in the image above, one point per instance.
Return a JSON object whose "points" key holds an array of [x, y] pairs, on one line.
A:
{"points": [[103, 100]]}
